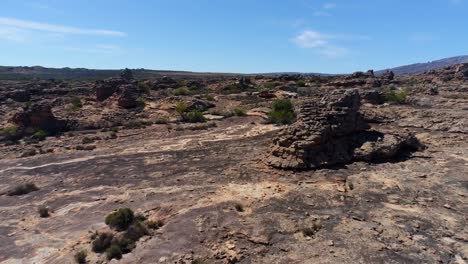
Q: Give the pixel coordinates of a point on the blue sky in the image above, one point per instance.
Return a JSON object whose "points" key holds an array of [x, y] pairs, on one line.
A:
{"points": [[335, 36]]}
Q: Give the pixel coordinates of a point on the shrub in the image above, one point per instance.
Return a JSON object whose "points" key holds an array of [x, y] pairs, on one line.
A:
{"points": [[395, 96], [23, 189], [209, 97], [181, 91], [80, 257], [134, 124], [125, 244], [114, 251], [195, 116], [270, 85], [136, 231], [141, 101], [43, 211], [40, 134], [181, 108], [155, 224], [301, 83], [282, 112], [144, 87], [120, 219], [102, 242], [232, 88], [87, 140], [239, 111], [311, 231], [10, 131], [126, 74], [76, 102]]}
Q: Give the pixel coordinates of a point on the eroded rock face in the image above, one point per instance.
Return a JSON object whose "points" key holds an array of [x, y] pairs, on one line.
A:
{"points": [[128, 97], [106, 88], [38, 116], [331, 131]]}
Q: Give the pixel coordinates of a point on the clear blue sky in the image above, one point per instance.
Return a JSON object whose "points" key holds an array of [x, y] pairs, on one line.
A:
{"points": [[335, 36]]}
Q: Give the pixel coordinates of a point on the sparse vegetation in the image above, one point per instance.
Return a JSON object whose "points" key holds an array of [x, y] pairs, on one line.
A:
{"points": [[87, 140], [80, 257], [239, 111], [40, 134], [270, 85], [141, 101], [301, 83], [180, 108], [144, 87], [23, 189], [134, 124], [154, 224], [121, 219], [102, 242], [209, 97], [114, 252], [9, 131], [282, 112], [181, 91], [194, 116], [43, 211], [396, 96]]}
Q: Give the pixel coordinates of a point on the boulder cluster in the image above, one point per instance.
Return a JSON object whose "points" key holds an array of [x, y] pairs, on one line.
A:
{"points": [[364, 79], [330, 131], [38, 116], [126, 91]]}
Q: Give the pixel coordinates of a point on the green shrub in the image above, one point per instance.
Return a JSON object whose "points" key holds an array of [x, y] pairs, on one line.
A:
{"points": [[141, 101], [135, 231], [181, 108], [270, 85], [395, 96], [134, 124], [10, 131], [125, 244], [120, 219], [144, 87], [181, 91], [76, 102], [301, 83], [239, 111], [114, 252], [40, 134], [282, 112], [23, 189], [43, 211], [80, 257], [102, 242], [194, 116]]}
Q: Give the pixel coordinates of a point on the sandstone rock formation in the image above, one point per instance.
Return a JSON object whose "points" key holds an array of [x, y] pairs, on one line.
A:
{"points": [[38, 116], [106, 88], [331, 131], [128, 97]]}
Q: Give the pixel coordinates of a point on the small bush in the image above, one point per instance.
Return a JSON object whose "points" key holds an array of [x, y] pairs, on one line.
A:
{"points": [[239, 111], [394, 96], [114, 252], [23, 189], [40, 134], [155, 224], [134, 124], [120, 219], [141, 101], [87, 140], [80, 257], [43, 211], [270, 85], [180, 108], [301, 83], [181, 91], [76, 102], [282, 112], [102, 242], [10, 131], [114, 129], [125, 244], [233, 88], [195, 116], [136, 231], [144, 87], [209, 97]]}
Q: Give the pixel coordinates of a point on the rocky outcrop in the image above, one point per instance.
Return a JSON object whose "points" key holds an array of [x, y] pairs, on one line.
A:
{"points": [[331, 131], [106, 88], [128, 96], [461, 71], [38, 116], [200, 105]]}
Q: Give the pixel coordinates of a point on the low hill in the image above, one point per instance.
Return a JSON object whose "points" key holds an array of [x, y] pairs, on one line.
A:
{"points": [[432, 65]]}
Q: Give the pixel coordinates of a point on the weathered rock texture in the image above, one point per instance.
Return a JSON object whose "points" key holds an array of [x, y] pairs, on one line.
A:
{"points": [[38, 116], [331, 131]]}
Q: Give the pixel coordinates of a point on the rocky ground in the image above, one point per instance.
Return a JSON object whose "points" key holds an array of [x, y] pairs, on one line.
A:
{"points": [[214, 185]]}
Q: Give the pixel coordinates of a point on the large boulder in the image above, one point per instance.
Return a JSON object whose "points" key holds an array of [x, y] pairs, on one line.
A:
{"points": [[106, 88], [328, 132], [128, 96], [38, 116]]}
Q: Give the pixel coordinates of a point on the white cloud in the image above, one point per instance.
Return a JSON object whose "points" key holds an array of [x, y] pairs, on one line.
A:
{"points": [[329, 6], [31, 25], [322, 42]]}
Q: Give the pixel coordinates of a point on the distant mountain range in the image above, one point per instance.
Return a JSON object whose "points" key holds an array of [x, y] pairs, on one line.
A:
{"points": [[20, 72], [432, 65]]}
